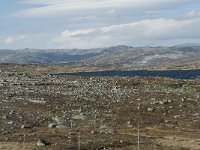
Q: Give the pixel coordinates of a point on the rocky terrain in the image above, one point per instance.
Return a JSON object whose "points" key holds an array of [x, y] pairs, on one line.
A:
{"points": [[118, 56], [43, 111]]}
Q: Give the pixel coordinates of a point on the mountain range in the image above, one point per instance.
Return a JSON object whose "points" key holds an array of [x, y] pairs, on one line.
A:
{"points": [[111, 56]]}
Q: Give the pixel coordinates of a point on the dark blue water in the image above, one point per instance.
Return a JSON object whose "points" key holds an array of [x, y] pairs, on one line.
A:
{"points": [[177, 74]]}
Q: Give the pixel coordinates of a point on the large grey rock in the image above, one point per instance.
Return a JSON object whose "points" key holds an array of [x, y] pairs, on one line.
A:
{"points": [[26, 126], [150, 109], [58, 120], [52, 125], [60, 126], [162, 102], [169, 101], [78, 117], [41, 142], [36, 101]]}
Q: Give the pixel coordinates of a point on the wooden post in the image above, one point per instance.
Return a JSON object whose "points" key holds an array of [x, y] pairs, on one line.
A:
{"points": [[95, 118], [138, 136], [138, 142], [79, 141], [24, 138]]}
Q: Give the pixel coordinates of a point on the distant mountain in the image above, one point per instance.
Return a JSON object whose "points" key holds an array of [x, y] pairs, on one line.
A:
{"points": [[189, 44], [35, 56], [147, 56], [112, 56]]}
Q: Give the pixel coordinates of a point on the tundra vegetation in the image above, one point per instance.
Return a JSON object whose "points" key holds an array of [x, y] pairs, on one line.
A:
{"points": [[43, 111]]}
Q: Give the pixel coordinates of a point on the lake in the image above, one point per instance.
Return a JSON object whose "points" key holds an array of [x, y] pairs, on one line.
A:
{"points": [[177, 74]]}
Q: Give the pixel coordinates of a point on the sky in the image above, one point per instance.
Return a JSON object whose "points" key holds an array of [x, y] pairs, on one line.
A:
{"points": [[50, 24]]}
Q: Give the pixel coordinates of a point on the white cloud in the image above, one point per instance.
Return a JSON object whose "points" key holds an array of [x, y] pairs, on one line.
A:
{"points": [[193, 13], [112, 12], [9, 40], [12, 40], [99, 23], [145, 30], [60, 7]]}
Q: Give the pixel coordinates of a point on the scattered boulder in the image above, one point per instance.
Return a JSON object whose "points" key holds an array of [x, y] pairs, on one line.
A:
{"points": [[25, 126], [41, 142], [60, 126], [165, 101], [37, 101], [58, 120], [78, 117], [169, 101], [52, 125], [10, 122], [150, 109]]}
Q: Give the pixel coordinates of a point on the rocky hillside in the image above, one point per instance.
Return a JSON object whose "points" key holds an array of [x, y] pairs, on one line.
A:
{"points": [[114, 56]]}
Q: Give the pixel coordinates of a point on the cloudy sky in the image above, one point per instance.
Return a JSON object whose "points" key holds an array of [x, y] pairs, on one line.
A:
{"points": [[98, 23]]}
